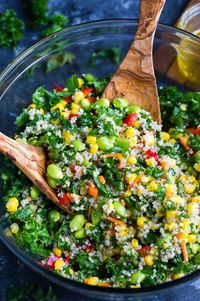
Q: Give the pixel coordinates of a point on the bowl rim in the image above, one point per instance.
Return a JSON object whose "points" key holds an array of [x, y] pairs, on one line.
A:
{"points": [[21, 254]]}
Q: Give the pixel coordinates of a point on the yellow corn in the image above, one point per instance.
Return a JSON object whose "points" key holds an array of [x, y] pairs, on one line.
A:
{"points": [[170, 189], [130, 133], [127, 193], [80, 82], [42, 111], [165, 136], [140, 221], [58, 106], [64, 114], [57, 251], [71, 271], [67, 136], [195, 199], [170, 215], [150, 161], [170, 226], [191, 209], [94, 149], [14, 228], [160, 211], [191, 238], [32, 106], [78, 96], [178, 276], [197, 167], [134, 243], [93, 281], [172, 140], [74, 108], [149, 260], [130, 177], [124, 231], [190, 188], [12, 205], [136, 124], [55, 121], [178, 200], [133, 141], [185, 224], [59, 264], [91, 139], [132, 160], [153, 186]]}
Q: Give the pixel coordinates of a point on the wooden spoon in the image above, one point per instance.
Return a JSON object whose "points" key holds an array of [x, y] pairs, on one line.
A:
{"points": [[31, 161], [135, 78]]}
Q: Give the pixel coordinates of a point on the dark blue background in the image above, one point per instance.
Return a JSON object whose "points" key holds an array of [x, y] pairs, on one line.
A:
{"points": [[78, 11]]}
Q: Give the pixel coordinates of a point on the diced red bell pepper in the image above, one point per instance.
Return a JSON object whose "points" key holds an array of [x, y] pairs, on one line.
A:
{"points": [[51, 260], [64, 200], [73, 168], [92, 99], [67, 260], [86, 91], [130, 119], [145, 250], [58, 88], [68, 99], [194, 131], [151, 154], [72, 116]]}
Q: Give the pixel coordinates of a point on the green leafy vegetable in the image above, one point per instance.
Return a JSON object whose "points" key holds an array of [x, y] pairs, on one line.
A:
{"points": [[56, 22]]}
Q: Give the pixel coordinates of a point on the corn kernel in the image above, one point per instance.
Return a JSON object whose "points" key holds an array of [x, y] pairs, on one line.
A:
{"points": [[140, 221], [160, 211], [197, 167], [14, 228], [132, 160], [185, 224], [170, 226], [12, 205], [182, 179], [32, 106], [149, 260], [93, 281], [75, 106], [165, 136], [127, 193], [172, 140], [150, 161], [58, 106], [59, 264], [64, 103], [130, 133], [42, 111], [57, 251], [91, 139], [129, 178], [133, 141], [134, 243], [124, 231], [94, 149], [55, 121], [64, 114], [191, 238], [67, 136], [170, 189], [71, 271], [170, 215], [192, 209], [178, 200], [192, 179], [153, 186], [190, 188], [136, 124], [178, 276], [78, 96], [195, 199], [80, 82]]}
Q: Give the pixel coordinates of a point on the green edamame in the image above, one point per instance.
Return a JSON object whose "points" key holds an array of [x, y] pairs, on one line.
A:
{"points": [[80, 233], [137, 277], [35, 192], [119, 208], [55, 172], [78, 145], [85, 104], [52, 182], [133, 109], [102, 103], [120, 103], [104, 143], [77, 222], [54, 216]]}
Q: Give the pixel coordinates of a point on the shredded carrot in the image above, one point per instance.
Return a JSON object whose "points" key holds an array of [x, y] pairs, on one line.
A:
{"points": [[103, 284], [28, 198], [117, 156], [115, 221], [184, 250], [181, 235], [71, 197], [136, 181], [101, 179], [89, 249], [89, 211], [183, 141], [86, 280], [93, 191]]}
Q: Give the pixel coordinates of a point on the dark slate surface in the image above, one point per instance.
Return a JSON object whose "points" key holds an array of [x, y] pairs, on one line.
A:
{"points": [[13, 272]]}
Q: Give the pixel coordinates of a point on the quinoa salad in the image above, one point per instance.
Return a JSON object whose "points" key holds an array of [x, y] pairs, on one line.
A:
{"points": [[132, 184]]}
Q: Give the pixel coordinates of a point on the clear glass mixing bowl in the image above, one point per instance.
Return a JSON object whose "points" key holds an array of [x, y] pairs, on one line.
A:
{"points": [[28, 71]]}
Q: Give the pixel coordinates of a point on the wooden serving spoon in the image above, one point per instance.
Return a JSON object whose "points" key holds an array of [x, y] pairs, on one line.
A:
{"points": [[31, 161], [135, 78]]}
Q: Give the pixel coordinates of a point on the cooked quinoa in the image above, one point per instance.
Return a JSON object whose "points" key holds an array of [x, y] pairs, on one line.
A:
{"points": [[133, 188]]}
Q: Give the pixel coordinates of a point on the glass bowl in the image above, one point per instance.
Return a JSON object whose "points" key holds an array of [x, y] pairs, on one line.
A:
{"points": [[51, 61]]}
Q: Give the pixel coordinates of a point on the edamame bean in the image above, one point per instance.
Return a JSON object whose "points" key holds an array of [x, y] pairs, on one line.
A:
{"points": [[86, 163], [55, 172], [54, 216], [133, 109], [35, 192], [52, 182], [78, 145], [195, 247], [197, 156], [80, 233], [96, 217], [77, 222], [119, 208], [104, 143], [102, 103], [120, 103], [85, 104], [123, 143], [89, 77], [137, 277]]}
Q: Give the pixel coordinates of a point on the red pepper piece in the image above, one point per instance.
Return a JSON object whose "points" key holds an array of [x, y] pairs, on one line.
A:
{"points": [[73, 169], [194, 131], [92, 99], [64, 200], [68, 99], [130, 119], [86, 91], [72, 116], [58, 88], [151, 154], [145, 250]]}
